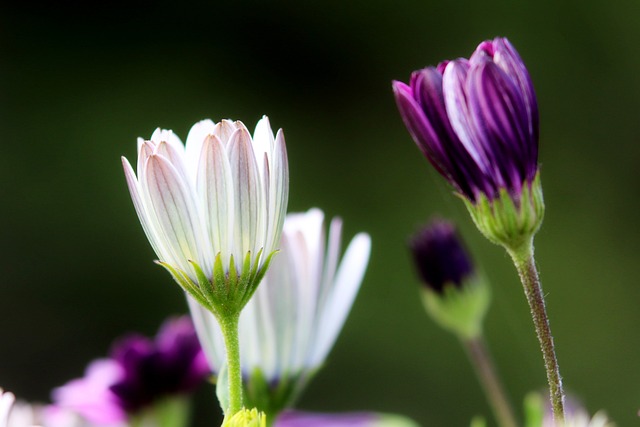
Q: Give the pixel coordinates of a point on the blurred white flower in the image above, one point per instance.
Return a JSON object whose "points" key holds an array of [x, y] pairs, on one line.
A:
{"points": [[295, 316], [6, 403], [213, 205], [580, 418]]}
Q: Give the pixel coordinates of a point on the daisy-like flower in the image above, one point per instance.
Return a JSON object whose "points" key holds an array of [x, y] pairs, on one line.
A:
{"points": [[289, 327], [139, 374], [213, 209], [476, 121]]}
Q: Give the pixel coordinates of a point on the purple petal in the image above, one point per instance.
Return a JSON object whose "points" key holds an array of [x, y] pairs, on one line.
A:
{"points": [[425, 137], [440, 256], [501, 123]]}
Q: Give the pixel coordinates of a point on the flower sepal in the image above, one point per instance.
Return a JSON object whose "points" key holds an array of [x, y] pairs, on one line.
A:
{"points": [[459, 309], [228, 292], [508, 222]]}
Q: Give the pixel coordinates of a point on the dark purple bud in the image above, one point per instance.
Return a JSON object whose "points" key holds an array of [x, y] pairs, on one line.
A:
{"points": [[476, 120], [440, 257], [171, 364]]}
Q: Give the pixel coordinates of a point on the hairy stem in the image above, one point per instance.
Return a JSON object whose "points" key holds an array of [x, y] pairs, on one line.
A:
{"points": [[229, 326], [526, 266]]}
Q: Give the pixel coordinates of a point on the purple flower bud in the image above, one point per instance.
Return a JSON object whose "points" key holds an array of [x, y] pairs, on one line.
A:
{"points": [[440, 257], [171, 364], [476, 120]]}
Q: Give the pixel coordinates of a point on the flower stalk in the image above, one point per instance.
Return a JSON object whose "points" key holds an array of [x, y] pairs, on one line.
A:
{"points": [[479, 357], [229, 327], [525, 265]]}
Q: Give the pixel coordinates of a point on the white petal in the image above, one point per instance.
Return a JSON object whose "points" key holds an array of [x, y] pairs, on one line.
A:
{"points": [[167, 135], [247, 193], [277, 192], [143, 215], [215, 189], [176, 213], [146, 149], [263, 141], [209, 334], [176, 158], [224, 130], [347, 283], [6, 402], [195, 139]]}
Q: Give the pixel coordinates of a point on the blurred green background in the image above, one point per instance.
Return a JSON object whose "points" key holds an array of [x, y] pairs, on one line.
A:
{"points": [[79, 84]]}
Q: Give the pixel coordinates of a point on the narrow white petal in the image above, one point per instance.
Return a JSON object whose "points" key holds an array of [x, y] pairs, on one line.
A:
{"points": [[247, 193], [347, 283], [224, 130], [195, 139], [145, 219], [209, 334], [167, 135], [139, 143], [331, 262], [258, 340], [146, 149], [176, 213], [277, 192], [263, 141], [6, 402], [215, 190], [176, 158]]}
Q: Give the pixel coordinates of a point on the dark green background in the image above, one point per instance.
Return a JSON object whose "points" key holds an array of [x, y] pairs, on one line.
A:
{"points": [[79, 84]]}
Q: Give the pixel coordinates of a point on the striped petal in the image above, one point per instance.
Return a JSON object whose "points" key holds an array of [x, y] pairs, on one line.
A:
{"points": [[276, 181], [176, 213], [501, 122], [454, 82], [143, 214], [215, 190], [195, 139], [247, 195]]}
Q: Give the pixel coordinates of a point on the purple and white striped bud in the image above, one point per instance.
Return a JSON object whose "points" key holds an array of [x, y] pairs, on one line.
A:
{"points": [[476, 121]]}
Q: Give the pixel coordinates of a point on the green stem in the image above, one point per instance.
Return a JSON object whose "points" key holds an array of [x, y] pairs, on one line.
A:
{"points": [[488, 377], [526, 266], [229, 327]]}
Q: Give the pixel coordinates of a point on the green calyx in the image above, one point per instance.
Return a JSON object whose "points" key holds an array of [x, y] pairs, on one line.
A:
{"points": [[508, 222], [228, 290], [459, 309]]}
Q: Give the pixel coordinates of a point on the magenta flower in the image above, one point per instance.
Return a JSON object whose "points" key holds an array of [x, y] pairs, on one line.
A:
{"points": [[171, 364], [476, 120], [138, 374]]}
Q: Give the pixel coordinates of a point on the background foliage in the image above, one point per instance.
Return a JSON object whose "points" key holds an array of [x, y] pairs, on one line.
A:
{"points": [[79, 84]]}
